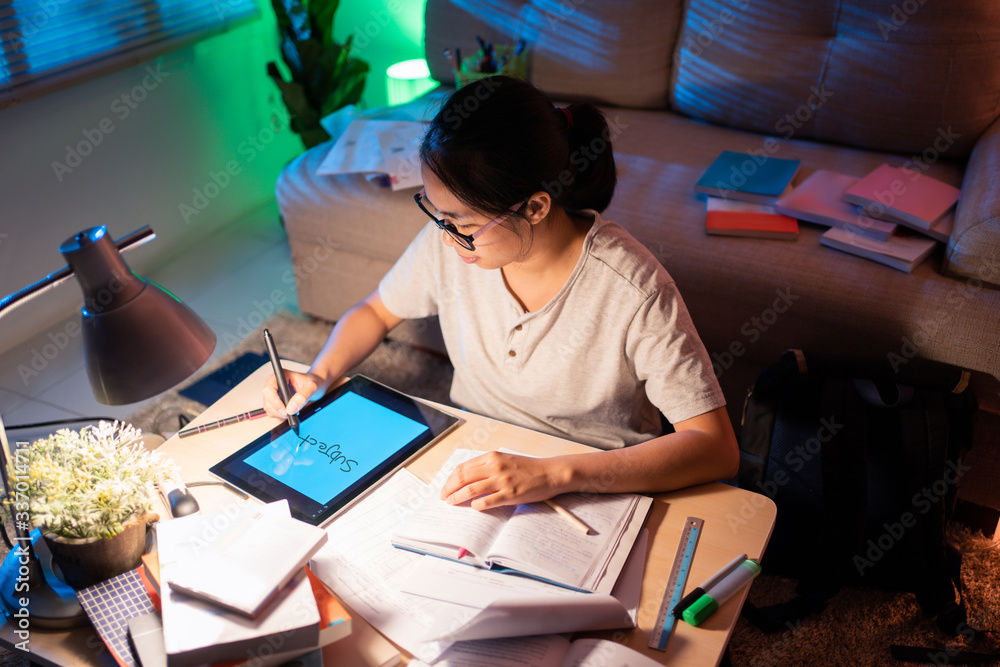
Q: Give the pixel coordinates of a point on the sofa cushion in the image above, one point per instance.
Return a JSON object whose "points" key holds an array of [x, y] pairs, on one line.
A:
{"points": [[974, 248], [610, 51], [880, 74], [751, 298]]}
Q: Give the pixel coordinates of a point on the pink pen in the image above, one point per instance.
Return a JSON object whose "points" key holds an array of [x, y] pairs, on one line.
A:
{"points": [[462, 553]]}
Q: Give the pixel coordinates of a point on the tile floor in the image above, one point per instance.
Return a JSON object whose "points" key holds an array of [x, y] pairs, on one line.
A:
{"points": [[234, 279]]}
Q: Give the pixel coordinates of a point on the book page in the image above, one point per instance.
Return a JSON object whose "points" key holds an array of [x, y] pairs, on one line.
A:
{"points": [[603, 652], [538, 541], [540, 651], [441, 529]]}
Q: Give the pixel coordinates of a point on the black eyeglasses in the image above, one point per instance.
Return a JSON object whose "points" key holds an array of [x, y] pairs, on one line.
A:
{"points": [[464, 240]]}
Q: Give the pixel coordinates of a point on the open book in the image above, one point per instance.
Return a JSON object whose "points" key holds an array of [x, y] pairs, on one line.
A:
{"points": [[531, 539]]}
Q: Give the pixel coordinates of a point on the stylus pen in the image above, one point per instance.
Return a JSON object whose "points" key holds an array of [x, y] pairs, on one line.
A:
{"points": [[235, 419], [690, 598], [279, 375]]}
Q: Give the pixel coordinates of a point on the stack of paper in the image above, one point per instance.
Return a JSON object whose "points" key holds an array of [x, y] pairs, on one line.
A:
{"points": [[384, 147]]}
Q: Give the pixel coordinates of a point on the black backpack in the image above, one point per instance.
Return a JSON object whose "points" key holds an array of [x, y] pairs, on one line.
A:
{"points": [[863, 458]]}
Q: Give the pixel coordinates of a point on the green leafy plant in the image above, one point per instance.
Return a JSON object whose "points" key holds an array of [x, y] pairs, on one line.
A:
{"points": [[87, 483], [324, 76]]}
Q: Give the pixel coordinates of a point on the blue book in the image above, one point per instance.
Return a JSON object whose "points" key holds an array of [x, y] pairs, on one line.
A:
{"points": [[754, 178]]}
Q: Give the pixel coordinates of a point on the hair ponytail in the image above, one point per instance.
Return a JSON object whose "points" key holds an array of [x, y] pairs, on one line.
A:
{"points": [[591, 159], [498, 140]]}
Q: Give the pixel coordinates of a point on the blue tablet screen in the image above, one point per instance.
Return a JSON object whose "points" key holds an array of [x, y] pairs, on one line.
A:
{"points": [[336, 447]]}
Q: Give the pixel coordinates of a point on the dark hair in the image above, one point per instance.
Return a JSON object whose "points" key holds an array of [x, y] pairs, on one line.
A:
{"points": [[499, 140]]}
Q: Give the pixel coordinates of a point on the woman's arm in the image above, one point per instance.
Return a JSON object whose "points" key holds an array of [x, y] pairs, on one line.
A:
{"points": [[356, 334], [703, 449]]}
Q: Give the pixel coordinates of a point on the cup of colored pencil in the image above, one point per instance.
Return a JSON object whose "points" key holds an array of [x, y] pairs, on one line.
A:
{"points": [[490, 60]]}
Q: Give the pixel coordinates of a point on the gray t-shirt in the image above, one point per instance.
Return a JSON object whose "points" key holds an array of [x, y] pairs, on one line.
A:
{"points": [[593, 365]]}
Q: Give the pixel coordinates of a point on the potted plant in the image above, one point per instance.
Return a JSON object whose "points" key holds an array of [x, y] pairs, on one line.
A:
{"points": [[324, 76], [90, 493]]}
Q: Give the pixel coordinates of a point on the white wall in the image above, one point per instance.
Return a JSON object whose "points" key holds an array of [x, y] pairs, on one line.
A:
{"points": [[207, 132]]}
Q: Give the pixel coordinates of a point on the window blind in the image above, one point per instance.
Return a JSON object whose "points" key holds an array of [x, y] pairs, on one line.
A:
{"points": [[46, 45]]}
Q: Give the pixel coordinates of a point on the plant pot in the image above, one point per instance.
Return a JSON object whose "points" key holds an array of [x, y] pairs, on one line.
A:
{"points": [[82, 562]]}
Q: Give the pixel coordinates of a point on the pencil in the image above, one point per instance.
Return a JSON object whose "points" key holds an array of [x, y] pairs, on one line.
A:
{"points": [[235, 419], [563, 512]]}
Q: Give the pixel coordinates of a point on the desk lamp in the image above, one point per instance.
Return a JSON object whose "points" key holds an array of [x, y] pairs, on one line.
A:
{"points": [[139, 340]]}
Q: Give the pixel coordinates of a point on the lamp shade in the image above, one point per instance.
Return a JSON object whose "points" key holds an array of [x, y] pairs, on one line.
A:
{"points": [[407, 80], [139, 340]]}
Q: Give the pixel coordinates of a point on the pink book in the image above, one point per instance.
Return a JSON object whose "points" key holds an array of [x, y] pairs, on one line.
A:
{"points": [[908, 197], [820, 199]]}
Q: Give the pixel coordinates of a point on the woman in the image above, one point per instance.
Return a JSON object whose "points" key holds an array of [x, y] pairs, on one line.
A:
{"points": [[554, 318]]}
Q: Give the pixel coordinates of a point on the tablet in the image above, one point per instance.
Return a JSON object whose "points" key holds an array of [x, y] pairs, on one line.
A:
{"points": [[347, 442]]}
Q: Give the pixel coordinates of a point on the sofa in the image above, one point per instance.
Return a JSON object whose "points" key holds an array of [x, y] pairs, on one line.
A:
{"points": [[843, 85]]}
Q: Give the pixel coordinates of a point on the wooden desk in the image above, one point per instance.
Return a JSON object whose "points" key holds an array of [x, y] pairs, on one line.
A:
{"points": [[736, 521]]}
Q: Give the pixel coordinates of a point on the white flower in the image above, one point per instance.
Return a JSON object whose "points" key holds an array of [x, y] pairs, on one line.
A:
{"points": [[88, 483]]}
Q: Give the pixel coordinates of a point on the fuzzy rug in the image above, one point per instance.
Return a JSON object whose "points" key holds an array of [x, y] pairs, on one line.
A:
{"points": [[857, 627]]}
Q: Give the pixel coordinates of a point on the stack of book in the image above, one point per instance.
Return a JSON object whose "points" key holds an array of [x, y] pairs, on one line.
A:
{"points": [[236, 587], [892, 215], [741, 190], [228, 588]]}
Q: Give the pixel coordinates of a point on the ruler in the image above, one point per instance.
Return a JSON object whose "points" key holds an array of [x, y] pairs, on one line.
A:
{"points": [[665, 620]]}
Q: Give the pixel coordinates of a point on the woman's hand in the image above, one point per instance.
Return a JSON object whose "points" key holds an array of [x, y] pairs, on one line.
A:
{"points": [[307, 387], [496, 479]]}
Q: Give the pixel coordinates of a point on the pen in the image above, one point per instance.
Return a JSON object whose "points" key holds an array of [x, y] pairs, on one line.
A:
{"points": [[279, 375], [729, 586], [462, 553], [689, 599], [235, 419], [563, 512]]}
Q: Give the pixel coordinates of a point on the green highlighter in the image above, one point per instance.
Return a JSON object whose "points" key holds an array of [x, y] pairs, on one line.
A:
{"points": [[724, 589]]}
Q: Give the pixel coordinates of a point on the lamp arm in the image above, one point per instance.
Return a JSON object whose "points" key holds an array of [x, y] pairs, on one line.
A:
{"points": [[131, 240]]}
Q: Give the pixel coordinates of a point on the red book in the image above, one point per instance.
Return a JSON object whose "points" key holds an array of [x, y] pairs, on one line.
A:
{"points": [[726, 217]]}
